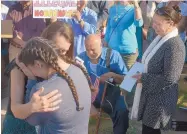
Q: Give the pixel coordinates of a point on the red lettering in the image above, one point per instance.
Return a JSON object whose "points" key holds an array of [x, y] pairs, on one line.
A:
{"points": [[36, 13], [41, 13], [61, 13]]}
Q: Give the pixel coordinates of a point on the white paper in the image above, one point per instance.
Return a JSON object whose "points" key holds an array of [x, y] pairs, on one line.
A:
{"points": [[129, 82]]}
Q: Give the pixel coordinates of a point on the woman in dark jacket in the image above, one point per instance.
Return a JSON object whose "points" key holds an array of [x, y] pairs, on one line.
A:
{"points": [[163, 60]]}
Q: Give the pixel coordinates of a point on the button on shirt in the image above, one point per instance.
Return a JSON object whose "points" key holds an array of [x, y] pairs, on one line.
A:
{"points": [[90, 23], [117, 66]]}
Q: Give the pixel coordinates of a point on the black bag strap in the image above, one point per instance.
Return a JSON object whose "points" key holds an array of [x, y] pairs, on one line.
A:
{"points": [[118, 24], [108, 54], [9, 67]]}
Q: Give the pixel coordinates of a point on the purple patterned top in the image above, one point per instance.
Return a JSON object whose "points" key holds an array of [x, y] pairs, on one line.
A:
{"points": [[24, 23]]}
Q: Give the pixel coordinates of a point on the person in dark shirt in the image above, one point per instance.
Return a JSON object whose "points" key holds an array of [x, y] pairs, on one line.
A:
{"points": [[24, 26]]}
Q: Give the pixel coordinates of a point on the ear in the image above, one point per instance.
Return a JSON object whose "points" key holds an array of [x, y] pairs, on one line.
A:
{"points": [[38, 64], [172, 24]]}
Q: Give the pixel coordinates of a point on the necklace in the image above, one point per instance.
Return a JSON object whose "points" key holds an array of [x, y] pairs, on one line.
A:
{"points": [[120, 10]]}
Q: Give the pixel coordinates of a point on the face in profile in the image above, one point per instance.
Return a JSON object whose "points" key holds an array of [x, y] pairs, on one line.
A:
{"points": [[39, 69], [62, 43]]}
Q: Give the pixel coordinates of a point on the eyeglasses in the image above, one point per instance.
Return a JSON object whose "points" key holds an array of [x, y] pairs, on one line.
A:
{"points": [[162, 12]]}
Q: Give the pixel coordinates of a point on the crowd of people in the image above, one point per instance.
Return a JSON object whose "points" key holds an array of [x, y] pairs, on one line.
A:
{"points": [[52, 92]]}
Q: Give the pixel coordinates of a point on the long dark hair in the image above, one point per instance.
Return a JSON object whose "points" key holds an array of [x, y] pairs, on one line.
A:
{"points": [[63, 29], [45, 50]]}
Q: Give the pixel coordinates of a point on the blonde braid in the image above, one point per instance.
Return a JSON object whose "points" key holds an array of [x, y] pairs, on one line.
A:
{"points": [[70, 82]]}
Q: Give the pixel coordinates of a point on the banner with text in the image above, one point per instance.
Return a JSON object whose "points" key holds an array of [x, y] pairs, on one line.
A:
{"points": [[53, 8]]}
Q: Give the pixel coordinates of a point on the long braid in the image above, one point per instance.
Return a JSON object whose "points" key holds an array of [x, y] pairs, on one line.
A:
{"points": [[71, 61], [35, 49], [54, 63], [70, 82]]}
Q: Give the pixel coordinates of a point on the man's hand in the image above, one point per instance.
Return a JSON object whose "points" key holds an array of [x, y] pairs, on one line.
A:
{"points": [[77, 15], [106, 76]]}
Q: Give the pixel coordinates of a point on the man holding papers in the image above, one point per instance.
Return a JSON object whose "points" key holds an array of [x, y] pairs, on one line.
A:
{"points": [[95, 62]]}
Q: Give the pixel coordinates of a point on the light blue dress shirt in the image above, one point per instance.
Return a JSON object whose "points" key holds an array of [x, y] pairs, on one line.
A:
{"points": [[90, 23], [117, 66]]}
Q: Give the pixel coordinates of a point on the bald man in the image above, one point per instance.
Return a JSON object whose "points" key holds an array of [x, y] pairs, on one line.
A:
{"points": [[95, 62]]}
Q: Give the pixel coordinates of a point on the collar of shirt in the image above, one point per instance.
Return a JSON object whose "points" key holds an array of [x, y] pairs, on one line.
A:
{"points": [[101, 66]]}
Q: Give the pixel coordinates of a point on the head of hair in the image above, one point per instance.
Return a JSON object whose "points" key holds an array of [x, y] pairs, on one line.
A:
{"points": [[42, 49], [63, 29], [169, 13], [121, 1]]}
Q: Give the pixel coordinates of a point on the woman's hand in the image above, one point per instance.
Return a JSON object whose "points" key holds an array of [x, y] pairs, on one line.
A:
{"points": [[138, 77], [25, 70], [47, 103], [77, 15]]}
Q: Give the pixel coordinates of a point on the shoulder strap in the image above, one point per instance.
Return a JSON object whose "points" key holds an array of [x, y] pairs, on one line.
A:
{"points": [[118, 23], [108, 54]]}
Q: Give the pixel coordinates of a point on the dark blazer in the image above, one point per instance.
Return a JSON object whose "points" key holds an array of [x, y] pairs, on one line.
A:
{"points": [[160, 85]]}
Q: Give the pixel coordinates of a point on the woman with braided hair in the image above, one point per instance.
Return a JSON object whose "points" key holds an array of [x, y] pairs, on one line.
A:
{"points": [[41, 57], [20, 107]]}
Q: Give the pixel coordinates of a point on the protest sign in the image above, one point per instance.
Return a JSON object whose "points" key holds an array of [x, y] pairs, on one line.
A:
{"points": [[53, 8]]}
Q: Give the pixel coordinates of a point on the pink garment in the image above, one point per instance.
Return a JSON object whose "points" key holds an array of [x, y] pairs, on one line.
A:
{"points": [[93, 96]]}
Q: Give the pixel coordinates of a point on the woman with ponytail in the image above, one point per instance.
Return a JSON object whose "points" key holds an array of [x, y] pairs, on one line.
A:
{"points": [[42, 57]]}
